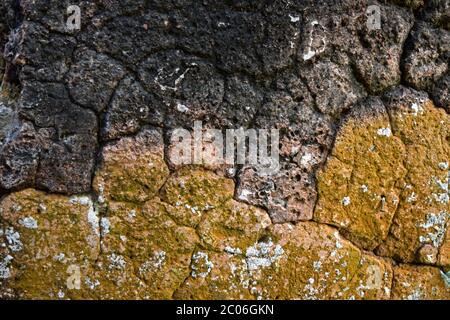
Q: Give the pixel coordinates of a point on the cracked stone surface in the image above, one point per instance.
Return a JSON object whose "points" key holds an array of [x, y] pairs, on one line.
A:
{"points": [[358, 189], [93, 206]]}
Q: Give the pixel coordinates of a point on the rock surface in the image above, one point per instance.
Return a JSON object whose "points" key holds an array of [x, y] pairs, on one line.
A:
{"points": [[93, 205]]}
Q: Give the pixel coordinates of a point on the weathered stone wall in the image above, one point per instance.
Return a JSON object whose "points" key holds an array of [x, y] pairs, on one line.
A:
{"points": [[93, 207]]}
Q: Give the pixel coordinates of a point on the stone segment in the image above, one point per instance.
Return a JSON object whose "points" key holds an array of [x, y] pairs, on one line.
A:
{"points": [[92, 79], [391, 158], [426, 56], [288, 195], [423, 211], [358, 188], [67, 140], [128, 32], [419, 283], [232, 227], [18, 161], [6, 120], [305, 136], [333, 87], [441, 93], [183, 80], [48, 238], [132, 169], [131, 107], [378, 54]]}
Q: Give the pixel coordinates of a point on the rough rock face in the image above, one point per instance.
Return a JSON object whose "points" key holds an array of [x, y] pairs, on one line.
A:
{"points": [[93, 206], [386, 181]]}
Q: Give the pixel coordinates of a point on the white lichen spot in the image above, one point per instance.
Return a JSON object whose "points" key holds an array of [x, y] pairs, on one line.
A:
{"points": [[244, 194], [91, 284], [317, 266], [411, 198], [92, 213], [182, 108], [116, 262], [310, 291], [162, 77], [415, 295], [132, 214], [263, 254], [16, 207], [339, 244], [446, 278], [417, 109], [384, 132], [405, 284], [443, 185], [59, 257], [310, 53], [101, 197], [154, 263], [5, 272], [306, 159], [105, 226], [29, 223], [13, 240], [201, 265], [73, 282], [429, 258], [364, 188], [443, 198], [374, 277], [294, 18], [437, 223], [345, 201], [232, 250], [443, 165]]}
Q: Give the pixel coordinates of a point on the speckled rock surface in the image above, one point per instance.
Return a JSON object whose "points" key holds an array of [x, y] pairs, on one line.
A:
{"points": [[93, 204]]}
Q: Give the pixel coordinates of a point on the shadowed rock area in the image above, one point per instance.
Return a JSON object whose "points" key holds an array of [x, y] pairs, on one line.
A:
{"points": [[94, 206]]}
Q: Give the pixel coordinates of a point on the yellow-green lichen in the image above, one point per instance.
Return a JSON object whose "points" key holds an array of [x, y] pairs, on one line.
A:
{"points": [[132, 169], [52, 240], [385, 184], [358, 189]]}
